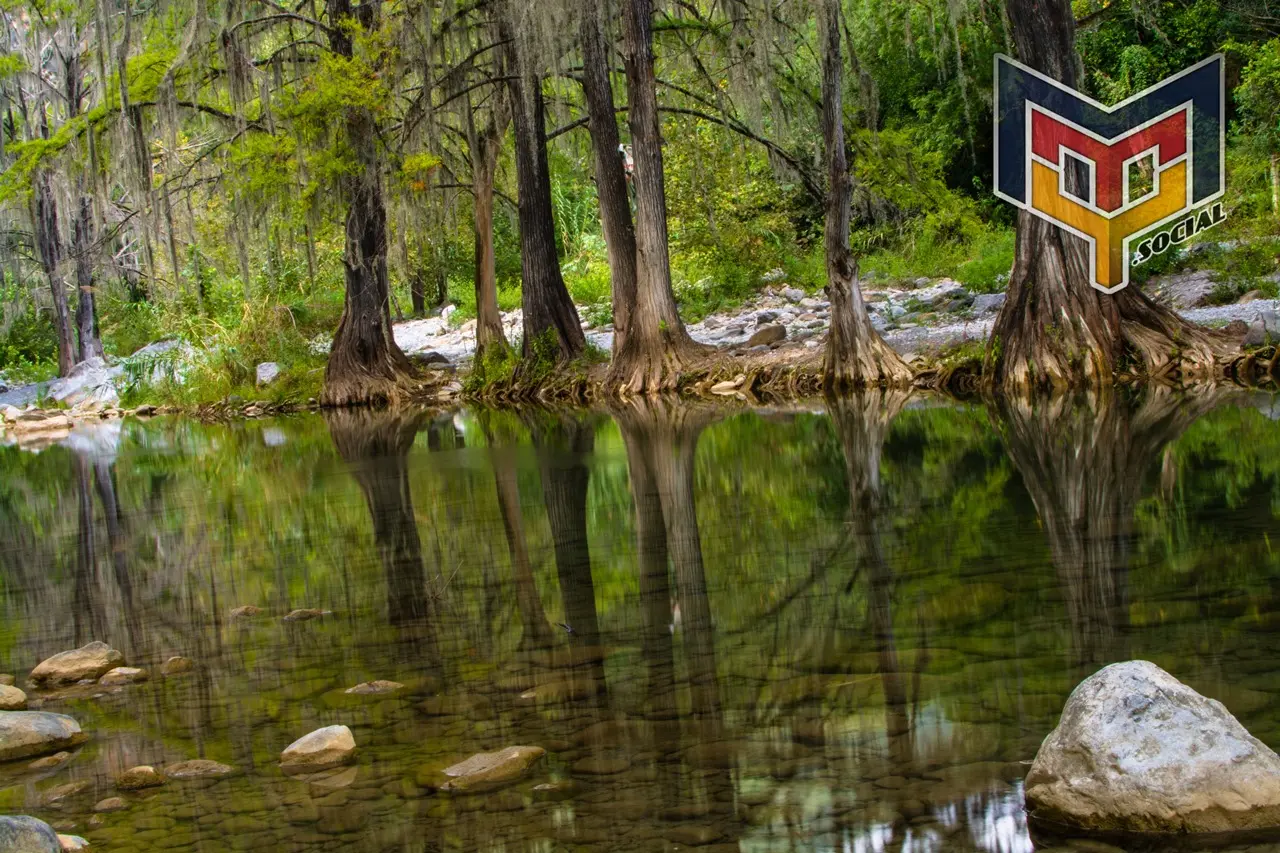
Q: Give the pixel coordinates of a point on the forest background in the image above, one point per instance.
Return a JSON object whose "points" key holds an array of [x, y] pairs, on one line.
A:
{"points": [[184, 155]]}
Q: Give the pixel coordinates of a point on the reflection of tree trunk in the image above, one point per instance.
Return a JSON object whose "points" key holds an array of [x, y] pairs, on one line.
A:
{"points": [[376, 446], [86, 618], [862, 423], [563, 446], [537, 632], [1083, 461], [655, 586], [104, 476]]}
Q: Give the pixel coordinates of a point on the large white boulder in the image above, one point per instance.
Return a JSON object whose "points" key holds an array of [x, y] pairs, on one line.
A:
{"points": [[1137, 750], [25, 734]]}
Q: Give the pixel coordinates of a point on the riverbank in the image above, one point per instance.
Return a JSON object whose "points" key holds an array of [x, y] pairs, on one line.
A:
{"points": [[775, 339]]}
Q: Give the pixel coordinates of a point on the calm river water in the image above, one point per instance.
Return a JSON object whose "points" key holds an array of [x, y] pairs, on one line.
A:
{"points": [[732, 630]]}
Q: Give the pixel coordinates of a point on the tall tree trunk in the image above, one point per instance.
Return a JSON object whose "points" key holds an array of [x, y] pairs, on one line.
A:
{"points": [[657, 346], [1275, 185], [49, 245], [856, 355], [485, 148], [105, 479], [365, 364], [548, 309], [1054, 328], [611, 181], [86, 302]]}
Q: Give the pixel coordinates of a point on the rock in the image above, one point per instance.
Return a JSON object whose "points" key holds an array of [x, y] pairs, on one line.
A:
{"points": [[88, 385], [324, 748], [765, 317], [1264, 329], [431, 358], [303, 615], [50, 761], [25, 734], [111, 804], [1137, 750], [71, 843], [375, 688], [137, 778], [177, 665], [123, 675], [1236, 328], [1184, 290], [792, 294], [23, 834], [197, 768], [488, 770], [601, 766], [7, 680], [90, 661], [726, 387], [41, 423], [12, 699], [1251, 296], [246, 611], [555, 791], [766, 335], [266, 373]]}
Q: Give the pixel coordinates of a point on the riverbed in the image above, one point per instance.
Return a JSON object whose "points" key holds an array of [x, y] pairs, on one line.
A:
{"points": [[800, 628]]}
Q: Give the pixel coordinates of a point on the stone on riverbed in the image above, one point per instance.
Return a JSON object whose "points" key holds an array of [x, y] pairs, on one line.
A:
{"points": [[23, 834], [488, 770], [11, 698], [245, 611], [72, 843], [24, 734], [90, 661], [1136, 750], [766, 335], [328, 747], [123, 675], [50, 761], [7, 680], [375, 688], [306, 614], [137, 778], [177, 665], [198, 768]]}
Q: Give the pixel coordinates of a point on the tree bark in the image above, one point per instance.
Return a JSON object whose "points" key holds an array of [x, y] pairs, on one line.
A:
{"points": [[611, 182], [1275, 185], [856, 355], [485, 148], [366, 366], [1055, 329], [550, 318], [657, 346], [86, 301], [49, 244]]}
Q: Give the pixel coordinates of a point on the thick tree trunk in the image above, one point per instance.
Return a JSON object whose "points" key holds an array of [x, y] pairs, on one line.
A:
{"points": [[611, 181], [365, 365], [86, 302], [485, 148], [1055, 329], [550, 318], [49, 245], [856, 355], [657, 346], [1086, 462]]}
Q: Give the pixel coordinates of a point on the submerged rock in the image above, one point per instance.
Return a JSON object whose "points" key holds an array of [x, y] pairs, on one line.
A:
{"points": [[123, 675], [198, 768], [24, 834], [328, 747], [49, 761], [7, 680], [24, 734], [487, 770], [374, 688], [177, 665], [137, 778], [245, 611], [306, 614], [72, 843], [12, 699], [111, 804], [1137, 750], [90, 661]]}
